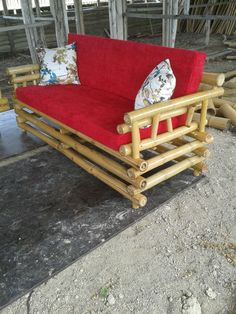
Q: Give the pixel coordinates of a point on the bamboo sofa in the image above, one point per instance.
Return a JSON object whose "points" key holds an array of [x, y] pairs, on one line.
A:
{"points": [[94, 124]]}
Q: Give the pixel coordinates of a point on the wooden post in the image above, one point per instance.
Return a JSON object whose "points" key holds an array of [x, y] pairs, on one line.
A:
{"points": [[164, 24], [169, 25], [31, 33], [9, 34], [174, 23], [118, 19], [42, 37], [79, 17], [58, 9], [186, 7], [208, 22], [170, 10]]}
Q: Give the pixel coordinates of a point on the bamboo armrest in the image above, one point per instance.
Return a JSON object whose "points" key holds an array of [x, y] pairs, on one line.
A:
{"points": [[24, 74], [172, 104], [21, 69]]}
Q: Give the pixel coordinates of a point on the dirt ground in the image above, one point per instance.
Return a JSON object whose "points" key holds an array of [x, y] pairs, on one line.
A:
{"points": [[181, 259]]}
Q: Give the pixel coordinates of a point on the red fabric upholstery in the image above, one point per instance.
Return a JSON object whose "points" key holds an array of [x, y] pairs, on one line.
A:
{"points": [[93, 112], [111, 73], [120, 67]]}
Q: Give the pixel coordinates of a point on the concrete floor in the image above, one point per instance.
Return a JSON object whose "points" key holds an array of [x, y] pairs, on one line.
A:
{"points": [[12, 140]]}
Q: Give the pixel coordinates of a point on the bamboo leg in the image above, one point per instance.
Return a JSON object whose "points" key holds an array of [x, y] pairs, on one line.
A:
{"points": [[135, 140], [202, 123]]}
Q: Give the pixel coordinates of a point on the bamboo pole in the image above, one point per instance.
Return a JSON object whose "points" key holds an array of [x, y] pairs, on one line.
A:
{"points": [[137, 200], [167, 156], [173, 104], [189, 118], [230, 74], [155, 125], [26, 78], [219, 102], [201, 136], [169, 125], [135, 140], [198, 168], [211, 110], [171, 171], [230, 85], [215, 79], [126, 128], [229, 92], [202, 122], [22, 69], [228, 112], [215, 122], [201, 151], [126, 150]]}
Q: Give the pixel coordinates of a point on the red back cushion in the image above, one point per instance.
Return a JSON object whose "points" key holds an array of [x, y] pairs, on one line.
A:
{"points": [[120, 67]]}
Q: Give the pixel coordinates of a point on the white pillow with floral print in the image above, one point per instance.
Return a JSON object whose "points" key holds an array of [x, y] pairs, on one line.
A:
{"points": [[158, 86], [58, 65]]}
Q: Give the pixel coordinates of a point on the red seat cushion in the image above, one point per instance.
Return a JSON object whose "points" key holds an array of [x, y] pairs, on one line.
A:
{"points": [[120, 67], [93, 112]]}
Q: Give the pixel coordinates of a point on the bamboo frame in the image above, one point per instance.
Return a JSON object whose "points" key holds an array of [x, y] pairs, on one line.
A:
{"points": [[123, 170]]}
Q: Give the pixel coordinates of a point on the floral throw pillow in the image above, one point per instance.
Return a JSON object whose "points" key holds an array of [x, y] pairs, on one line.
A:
{"points": [[58, 65], [158, 86]]}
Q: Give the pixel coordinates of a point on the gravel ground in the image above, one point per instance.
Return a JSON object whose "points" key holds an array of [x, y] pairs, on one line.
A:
{"points": [[179, 259]]}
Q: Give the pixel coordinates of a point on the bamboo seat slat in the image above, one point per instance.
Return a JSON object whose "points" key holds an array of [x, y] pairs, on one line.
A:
{"points": [[171, 171]]}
